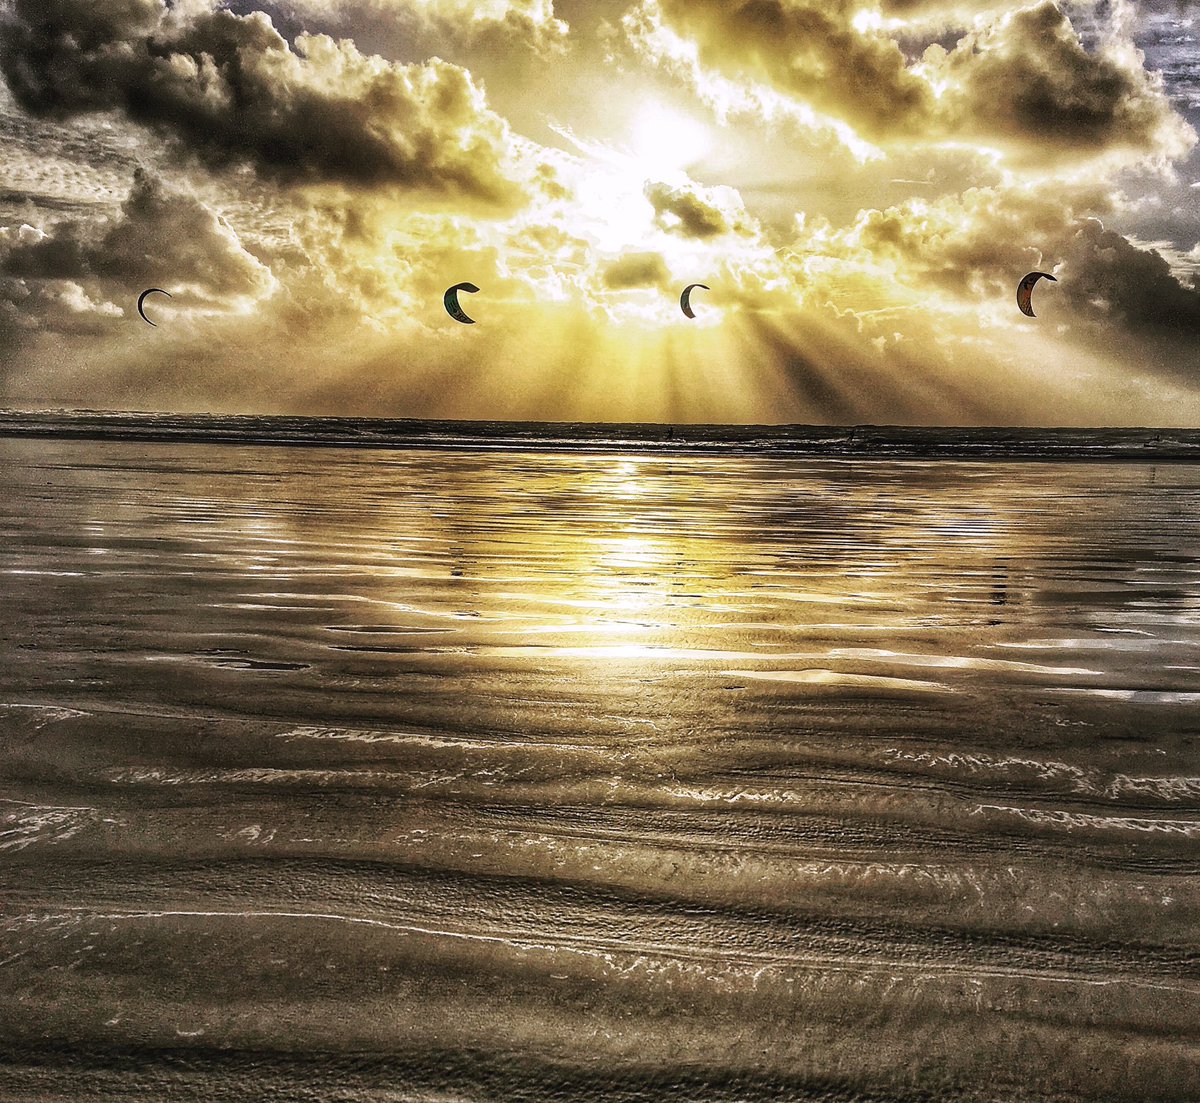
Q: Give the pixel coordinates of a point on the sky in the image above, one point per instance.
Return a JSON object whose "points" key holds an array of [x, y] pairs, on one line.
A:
{"points": [[860, 184]]}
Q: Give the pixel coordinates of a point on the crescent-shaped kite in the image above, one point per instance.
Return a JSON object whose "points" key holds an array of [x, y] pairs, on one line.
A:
{"points": [[451, 300], [142, 299], [685, 300], [1025, 291]]}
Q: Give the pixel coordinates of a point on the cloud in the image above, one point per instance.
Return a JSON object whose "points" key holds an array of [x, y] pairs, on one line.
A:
{"points": [[940, 13], [1020, 81], [973, 243], [501, 24], [67, 279], [233, 90], [1027, 80], [696, 212], [811, 51], [864, 282], [1110, 281], [636, 270], [974, 248]]}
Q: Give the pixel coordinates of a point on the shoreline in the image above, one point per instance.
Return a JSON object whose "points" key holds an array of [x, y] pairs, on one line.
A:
{"points": [[768, 441]]}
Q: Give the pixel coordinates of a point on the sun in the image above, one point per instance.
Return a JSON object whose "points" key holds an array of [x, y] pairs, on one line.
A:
{"points": [[656, 143], [665, 142]]}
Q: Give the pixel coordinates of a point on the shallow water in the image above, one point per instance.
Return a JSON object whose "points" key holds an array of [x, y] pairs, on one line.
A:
{"points": [[419, 775]]}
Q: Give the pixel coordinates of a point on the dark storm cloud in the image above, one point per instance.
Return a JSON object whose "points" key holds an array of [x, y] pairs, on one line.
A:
{"points": [[233, 90], [66, 280], [636, 270], [1111, 293], [159, 235], [1030, 79], [1107, 279]]}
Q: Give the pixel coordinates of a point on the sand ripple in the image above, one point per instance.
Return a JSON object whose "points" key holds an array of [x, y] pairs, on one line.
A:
{"points": [[419, 776]]}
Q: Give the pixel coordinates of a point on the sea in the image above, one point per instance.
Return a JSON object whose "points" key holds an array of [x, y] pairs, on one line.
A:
{"points": [[454, 763]]}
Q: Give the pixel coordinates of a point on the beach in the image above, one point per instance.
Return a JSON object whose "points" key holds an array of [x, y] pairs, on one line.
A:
{"points": [[477, 773]]}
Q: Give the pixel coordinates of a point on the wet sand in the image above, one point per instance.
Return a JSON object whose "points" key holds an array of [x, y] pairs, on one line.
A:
{"points": [[443, 775]]}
